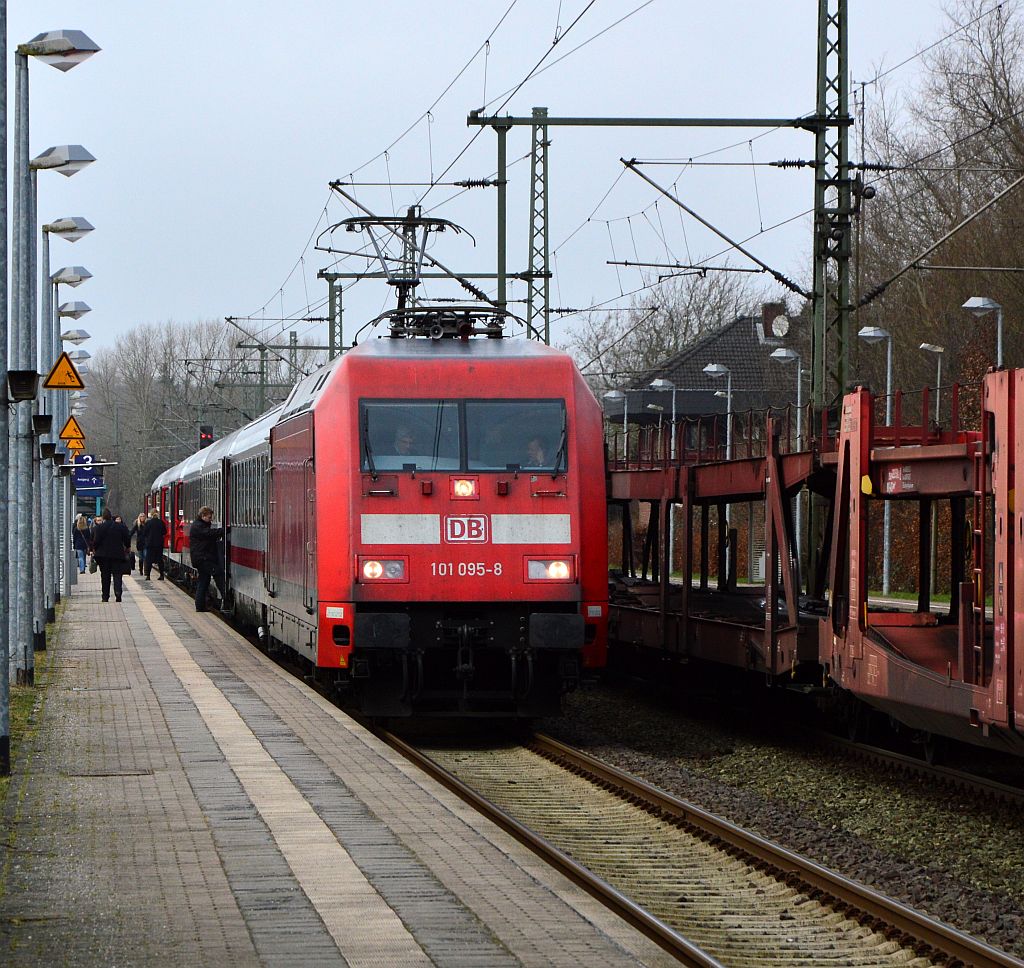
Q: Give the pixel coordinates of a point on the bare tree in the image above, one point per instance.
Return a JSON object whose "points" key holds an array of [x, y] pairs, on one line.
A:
{"points": [[149, 394], [616, 347], [956, 141]]}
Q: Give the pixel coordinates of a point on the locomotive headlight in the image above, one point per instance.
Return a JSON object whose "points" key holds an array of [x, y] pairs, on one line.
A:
{"points": [[549, 569], [558, 570], [464, 488], [382, 569]]}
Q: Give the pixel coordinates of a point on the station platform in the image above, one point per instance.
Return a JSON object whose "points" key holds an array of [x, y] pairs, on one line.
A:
{"points": [[184, 801]]}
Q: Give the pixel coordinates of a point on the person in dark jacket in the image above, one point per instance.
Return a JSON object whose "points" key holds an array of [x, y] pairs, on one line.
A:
{"points": [[152, 540], [111, 543], [81, 538], [202, 544]]}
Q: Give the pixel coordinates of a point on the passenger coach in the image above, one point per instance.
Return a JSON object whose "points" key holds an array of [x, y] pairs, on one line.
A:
{"points": [[423, 520]]}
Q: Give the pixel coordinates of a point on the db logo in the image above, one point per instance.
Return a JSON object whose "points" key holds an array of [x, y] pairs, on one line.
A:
{"points": [[471, 528]]}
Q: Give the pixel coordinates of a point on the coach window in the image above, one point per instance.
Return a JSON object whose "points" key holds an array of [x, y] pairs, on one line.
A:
{"points": [[505, 434], [418, 435]]}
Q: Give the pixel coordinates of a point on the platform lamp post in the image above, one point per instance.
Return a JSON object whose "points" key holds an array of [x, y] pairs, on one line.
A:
{"points": [[62, 49], [717, 370], [980, 306], [72, 276], [68, 160], [938, 351], [76, 337], [786, 355], [663, 385], [874, 334]]}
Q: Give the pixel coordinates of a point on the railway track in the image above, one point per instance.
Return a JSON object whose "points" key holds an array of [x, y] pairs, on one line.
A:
{"points": [[704, 889], [980, 786]]}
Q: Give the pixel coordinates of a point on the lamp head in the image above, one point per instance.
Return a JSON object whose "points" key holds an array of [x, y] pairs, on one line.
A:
{"points": [[67, 159], [72, 228], [979, 305], [716, 369], [74, 310], [62, 49], [872, 334], [785, 355], [70, 276], [662, 384], [932, 348], [41, 424], [47, 451]]}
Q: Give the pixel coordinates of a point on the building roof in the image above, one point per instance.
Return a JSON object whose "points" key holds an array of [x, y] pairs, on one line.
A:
{"points": [[758, 381]]}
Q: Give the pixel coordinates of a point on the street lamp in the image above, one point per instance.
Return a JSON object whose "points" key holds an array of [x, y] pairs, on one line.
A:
{"points": [[717, 370], [980, 306], [62, 49], [786, 355], [66, 159], [938, 351], [874, 334], [662, 384]]}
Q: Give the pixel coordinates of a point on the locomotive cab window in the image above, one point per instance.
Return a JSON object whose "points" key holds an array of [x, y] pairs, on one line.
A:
{"points": [[527, 434], [420, 435]]}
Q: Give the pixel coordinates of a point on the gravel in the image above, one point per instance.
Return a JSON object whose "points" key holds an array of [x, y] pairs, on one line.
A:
{"points": [[938, 851]]}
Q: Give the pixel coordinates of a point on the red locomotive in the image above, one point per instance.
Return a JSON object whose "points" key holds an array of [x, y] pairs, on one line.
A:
{"points": [[423, 520]]}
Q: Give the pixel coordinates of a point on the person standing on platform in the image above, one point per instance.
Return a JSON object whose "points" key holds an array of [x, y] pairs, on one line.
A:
{"points": [[140, 543], [202, 544], [81, 538], [111, 545], [152, 540]]}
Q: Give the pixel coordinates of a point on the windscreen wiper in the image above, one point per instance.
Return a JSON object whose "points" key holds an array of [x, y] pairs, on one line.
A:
{"points": [[367, 449], [560, 453]]}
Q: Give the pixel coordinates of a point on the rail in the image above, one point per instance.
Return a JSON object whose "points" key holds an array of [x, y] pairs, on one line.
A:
{"points": [[830, 887], [682, 949]]}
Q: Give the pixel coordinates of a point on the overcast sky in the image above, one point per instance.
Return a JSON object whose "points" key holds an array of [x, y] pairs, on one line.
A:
{"points": [[217, 126]]}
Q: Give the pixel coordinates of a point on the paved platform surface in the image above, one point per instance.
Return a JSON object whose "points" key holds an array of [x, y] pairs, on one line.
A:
{"points": [[186, 802]]}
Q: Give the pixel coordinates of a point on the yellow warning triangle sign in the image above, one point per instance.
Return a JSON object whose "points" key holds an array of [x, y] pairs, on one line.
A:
{"points": [[76, 446], [72, 431], [63, 376]]}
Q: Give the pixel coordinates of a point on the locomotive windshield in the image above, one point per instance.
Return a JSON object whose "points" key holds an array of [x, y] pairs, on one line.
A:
{"points": [[413, 435], [475, 435], [515, 433]]}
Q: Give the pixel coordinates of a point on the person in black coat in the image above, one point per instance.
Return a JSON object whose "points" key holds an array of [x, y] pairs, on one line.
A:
{"points": [[152, 540], [202, 544], [111, 543]]}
